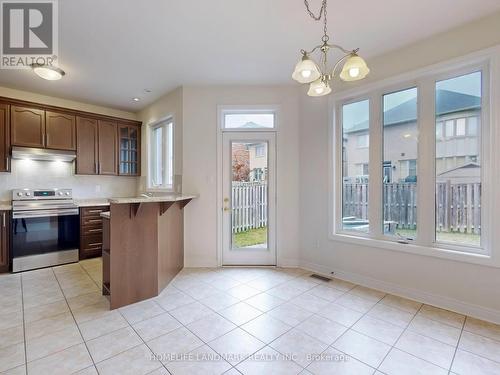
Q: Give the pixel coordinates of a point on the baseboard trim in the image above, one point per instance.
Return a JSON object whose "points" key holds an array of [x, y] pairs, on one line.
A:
{"points": [[443, 302]]}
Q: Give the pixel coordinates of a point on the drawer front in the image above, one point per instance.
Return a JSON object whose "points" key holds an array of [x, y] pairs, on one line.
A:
{"points": [[93, 211], [92, 221], [91, 243], [89, 230]]}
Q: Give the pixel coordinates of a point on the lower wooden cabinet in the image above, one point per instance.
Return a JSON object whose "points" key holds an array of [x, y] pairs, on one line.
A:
{"points": [[91, 231], [4, 241]]}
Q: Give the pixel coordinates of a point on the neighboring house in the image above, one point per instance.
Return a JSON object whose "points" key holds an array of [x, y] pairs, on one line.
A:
{"points": [[249, 161], [457, 139]]}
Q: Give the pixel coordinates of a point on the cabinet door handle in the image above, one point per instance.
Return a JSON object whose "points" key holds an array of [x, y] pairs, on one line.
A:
{"points": [[95, 230], [46, 139], [95, 220], [96, 170], [95, 244], [94, 211], [3, 220]]}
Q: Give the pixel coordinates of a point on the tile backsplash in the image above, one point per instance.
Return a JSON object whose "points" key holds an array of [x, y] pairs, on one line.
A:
{"points": [[52, 174]]}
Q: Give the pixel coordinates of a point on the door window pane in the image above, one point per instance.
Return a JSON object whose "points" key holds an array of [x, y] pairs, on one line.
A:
{"points": [[400, 137], [249, 195], [355, 161], [458, 161]]}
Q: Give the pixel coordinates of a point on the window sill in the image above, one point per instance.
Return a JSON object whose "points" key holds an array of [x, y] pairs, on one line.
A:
{"points": [[166, 189], [437, 252]]}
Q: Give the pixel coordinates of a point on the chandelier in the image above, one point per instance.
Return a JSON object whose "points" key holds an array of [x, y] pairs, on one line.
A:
{"points": [[307, 71]]}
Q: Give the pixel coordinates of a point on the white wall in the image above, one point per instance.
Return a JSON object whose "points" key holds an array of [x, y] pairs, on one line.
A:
{"points": [[200, 167], [464, 287]]}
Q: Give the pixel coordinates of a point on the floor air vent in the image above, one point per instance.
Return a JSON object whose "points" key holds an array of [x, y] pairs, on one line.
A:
{"points": [[319, 277]]}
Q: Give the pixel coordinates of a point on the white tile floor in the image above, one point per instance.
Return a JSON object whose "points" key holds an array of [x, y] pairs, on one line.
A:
{"points": [[232, 321]]}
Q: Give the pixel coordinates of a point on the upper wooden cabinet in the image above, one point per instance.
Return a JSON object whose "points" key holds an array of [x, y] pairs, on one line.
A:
{"points": [[4, 138], [27, 126], [86, 146], [108, 150], [60, 131], [104, 145], [129, 143]]}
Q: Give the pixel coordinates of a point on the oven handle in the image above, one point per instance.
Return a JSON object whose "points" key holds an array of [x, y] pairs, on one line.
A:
{"points": [[44, 213]]}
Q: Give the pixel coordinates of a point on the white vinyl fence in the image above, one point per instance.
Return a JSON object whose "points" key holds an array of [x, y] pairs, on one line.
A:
{"points": [[249, 205]]}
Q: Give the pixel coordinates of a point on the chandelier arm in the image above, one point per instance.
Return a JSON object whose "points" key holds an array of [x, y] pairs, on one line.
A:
{"points": [[342, 48], [339, 62], [312, 51]]}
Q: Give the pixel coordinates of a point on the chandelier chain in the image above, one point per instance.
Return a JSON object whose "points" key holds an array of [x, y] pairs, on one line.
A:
{"points": [[322, 14]]}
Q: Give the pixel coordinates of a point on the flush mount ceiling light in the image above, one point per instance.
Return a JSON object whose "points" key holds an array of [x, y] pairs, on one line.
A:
{"points": [[48, 72], [136, 99], [307, 71]]}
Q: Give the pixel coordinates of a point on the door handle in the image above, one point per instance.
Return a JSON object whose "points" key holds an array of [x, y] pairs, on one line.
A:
{"points": [[227, 209]]}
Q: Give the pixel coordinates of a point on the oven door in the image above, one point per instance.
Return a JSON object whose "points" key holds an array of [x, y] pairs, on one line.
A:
{"points": [[42, 238]]}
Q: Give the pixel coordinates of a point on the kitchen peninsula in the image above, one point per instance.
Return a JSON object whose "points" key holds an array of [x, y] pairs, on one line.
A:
{"points": [[143, 246]]}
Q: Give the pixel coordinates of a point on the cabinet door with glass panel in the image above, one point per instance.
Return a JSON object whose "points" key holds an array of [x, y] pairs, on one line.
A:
{"points": [[129, 140]]}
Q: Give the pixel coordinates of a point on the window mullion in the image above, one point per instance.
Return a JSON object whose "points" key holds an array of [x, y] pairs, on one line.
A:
{"points": [[426, 164], [375, 167]]}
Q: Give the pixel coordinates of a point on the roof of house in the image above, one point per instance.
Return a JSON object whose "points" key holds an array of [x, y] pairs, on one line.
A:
{"points": [[447, 102], [252, 124]]}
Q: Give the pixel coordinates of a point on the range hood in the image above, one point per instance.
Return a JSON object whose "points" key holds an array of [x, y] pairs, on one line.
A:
{"points": [[42, 154]]}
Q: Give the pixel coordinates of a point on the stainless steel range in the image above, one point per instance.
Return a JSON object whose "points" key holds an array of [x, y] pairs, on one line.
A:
{"points": [[45, 228]]}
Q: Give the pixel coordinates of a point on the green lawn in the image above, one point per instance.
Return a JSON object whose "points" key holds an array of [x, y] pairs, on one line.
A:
{"points": [[465, 238], [250, 237]]}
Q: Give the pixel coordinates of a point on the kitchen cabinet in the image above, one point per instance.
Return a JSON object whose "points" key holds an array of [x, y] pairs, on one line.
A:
{"points": [[86, 146], [4, 240], [27, 126], [91, 231], [60, 130], [104, 145], [129, 141], [4, 138], [108, 149]]}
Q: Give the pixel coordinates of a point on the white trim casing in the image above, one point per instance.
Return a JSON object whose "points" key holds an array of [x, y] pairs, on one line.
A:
{"points": [[164, 120], [488, 61], [249, 108]]}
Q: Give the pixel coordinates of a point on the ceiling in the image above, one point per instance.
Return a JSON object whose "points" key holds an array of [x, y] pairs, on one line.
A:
{"points": [[112, 50]]}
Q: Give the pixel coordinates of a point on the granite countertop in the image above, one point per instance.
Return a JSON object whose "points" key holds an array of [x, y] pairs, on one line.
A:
{"points": [[92, 202], [154, 199], [5, 206]]}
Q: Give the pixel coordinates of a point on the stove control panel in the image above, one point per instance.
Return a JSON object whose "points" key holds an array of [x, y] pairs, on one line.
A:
{"points": [[34, 194]]}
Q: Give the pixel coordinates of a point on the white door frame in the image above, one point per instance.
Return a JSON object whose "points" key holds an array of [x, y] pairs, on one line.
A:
{"points": [[221, 110]]}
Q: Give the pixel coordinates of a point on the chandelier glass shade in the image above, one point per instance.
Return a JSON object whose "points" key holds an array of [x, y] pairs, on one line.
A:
{"points": [[307, 71]]}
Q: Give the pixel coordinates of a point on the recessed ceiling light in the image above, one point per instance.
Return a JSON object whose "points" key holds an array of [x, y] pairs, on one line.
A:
{"points": [[48, 72], [136, 99]]}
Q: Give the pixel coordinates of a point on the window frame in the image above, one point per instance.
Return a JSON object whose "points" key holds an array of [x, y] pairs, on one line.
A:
{"points": [[488, 62], [167, 170]]}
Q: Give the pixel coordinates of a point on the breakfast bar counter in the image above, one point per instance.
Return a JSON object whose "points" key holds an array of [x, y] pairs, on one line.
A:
{"points": [[143, 246]]}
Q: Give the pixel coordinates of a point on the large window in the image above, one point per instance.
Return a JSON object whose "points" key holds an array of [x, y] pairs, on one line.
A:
{"points": [[161, 156], [355, 144], [400, 137], [412, 157], [458, 160]]}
